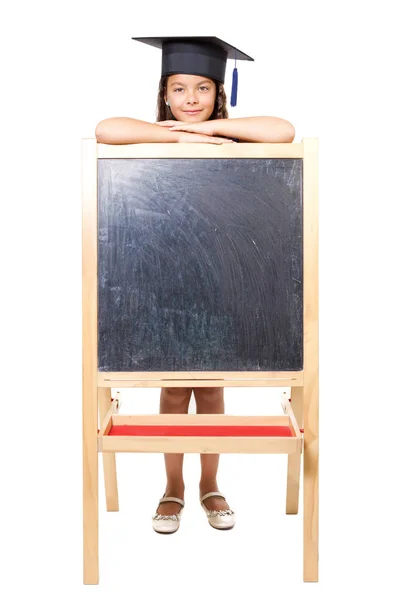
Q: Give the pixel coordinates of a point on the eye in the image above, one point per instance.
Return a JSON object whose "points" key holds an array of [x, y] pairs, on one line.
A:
{"points": [[178, 89], [204, 87]]}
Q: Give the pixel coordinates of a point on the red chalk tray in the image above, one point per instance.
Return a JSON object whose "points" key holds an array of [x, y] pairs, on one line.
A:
{"points": [[201, 430]]}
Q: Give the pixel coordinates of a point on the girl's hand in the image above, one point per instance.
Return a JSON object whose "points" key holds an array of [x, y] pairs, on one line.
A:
{"points": [[186, 137], [202, 127], [169, 123]]}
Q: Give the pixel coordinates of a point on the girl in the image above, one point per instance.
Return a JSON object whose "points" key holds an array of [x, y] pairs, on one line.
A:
{"points": [[191, 107]]}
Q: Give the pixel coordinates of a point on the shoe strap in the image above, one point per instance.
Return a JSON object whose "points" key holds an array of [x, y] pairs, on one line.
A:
{"points": [[172, 499], [212, 494]]}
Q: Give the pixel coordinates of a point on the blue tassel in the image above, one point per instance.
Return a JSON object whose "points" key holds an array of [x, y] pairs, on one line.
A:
{"points": [[234, 87]]}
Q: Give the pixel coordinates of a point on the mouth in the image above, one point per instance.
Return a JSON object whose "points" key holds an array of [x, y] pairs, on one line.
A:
{"points": [[192, 112]]}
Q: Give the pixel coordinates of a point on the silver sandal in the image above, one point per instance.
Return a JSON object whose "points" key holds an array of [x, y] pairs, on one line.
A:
{"points": [[167, 523], [219, 519]]}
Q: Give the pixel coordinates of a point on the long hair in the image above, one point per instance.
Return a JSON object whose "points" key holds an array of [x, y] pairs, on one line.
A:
{"points": [[164, 112]]}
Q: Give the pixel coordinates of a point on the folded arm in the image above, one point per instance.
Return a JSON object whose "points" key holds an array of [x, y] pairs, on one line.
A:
{"points": [[247, 129], [124, 130], [256, 129]]}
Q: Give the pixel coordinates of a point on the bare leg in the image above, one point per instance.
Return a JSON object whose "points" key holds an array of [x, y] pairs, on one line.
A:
{"points": [[174, 400], [210, 401]]}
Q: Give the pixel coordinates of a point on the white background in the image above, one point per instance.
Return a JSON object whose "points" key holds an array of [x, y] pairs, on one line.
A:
{"points": [[330, 69]]}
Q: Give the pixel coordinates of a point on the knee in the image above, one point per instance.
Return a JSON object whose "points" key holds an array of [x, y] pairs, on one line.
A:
{"points": [[207, 395], [207, 391], [178, 395]]}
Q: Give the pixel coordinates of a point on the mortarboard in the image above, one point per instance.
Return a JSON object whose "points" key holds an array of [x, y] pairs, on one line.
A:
{"points": [[205, 56]]}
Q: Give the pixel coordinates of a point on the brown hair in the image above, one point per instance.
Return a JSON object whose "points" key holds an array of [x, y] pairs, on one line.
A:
{"points": [[164, 112]]}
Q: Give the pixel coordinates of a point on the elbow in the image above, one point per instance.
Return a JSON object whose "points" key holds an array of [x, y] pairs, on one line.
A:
{"points": [[287, 133], [117, 130], [290, 134], [277, 131], [101, 133], [109, 131]]}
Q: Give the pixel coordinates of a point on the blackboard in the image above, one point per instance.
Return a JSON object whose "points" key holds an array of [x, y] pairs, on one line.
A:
{"points": [[200, 264]]}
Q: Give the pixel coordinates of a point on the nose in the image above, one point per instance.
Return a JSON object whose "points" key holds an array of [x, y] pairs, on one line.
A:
{"points": [[191, 98]]}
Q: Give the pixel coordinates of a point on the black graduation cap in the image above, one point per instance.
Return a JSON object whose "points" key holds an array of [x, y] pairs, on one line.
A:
{"points": [[205, 56]]}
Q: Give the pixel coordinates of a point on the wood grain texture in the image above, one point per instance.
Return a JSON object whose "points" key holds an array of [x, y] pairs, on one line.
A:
{"points": [[311, 361], [109, 460], [89, 364]]}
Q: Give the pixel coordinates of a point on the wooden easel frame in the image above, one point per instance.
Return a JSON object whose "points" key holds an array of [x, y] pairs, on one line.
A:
{"points": [[302, 411]]}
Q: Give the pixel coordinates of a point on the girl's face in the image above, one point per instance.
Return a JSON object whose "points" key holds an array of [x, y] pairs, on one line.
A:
{"points": [[191, 97]]}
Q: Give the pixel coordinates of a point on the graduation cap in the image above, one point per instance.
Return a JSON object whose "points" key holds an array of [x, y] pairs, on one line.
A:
{"points": [[204, 56]]}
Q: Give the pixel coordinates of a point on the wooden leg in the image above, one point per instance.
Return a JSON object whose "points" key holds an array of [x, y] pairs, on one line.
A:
{"points": [[311, 495], [89, 364], [310, 359], [294, 460], [90, 486], [109, 465]]}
